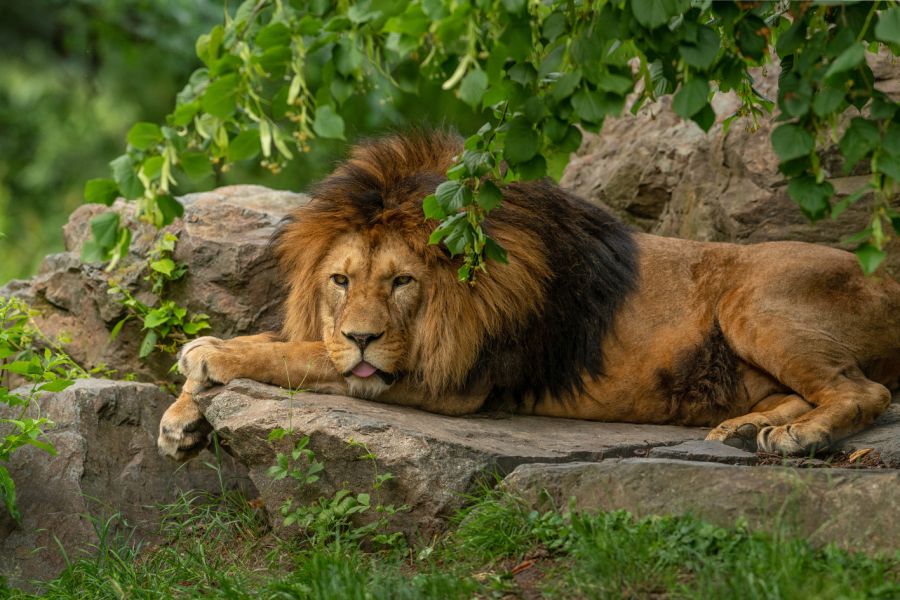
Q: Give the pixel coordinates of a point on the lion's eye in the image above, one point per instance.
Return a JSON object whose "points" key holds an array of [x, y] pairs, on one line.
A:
{"points": [[340, 280], [402, 280]]}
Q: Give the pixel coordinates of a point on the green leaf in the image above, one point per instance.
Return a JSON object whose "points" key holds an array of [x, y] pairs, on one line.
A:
{"points": [[827, 100], [847, 60], [705, 117], [565, 85], [888, 27], [495, 251], [890, 166], [792, 141], [184, 113], [452, 196], [195, 165], [195, 327], [533, 168], [148, 344], [117, 329], [860, 138], [155, 318], [144, 135], [691, 98], [489, 195], [170, 208], [220, 97], [522, 141], [891, 140], [328, 124], [8, 493], [702, 54], [812, 197], [164, 266], [152, 167], [592, 106], [57, 385], [105, 229], [101, 191], [91, 252], [870, 257], [274, 34], [653, 13], [244, 145], [127, 180], [472, 87], [432, 208]]}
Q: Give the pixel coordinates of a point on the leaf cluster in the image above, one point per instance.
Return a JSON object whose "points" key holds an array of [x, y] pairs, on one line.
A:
{"points": [[42, 370], [279, 74]]}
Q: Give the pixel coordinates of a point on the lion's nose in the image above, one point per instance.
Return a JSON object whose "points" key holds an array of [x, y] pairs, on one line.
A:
{"points": [[362, 339]]}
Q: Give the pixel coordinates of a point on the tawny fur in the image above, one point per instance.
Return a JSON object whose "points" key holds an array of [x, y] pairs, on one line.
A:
{"points": [[785, 346]]}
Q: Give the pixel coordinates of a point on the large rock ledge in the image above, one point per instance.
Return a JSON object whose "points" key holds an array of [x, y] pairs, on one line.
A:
{"points": [[438, 460], [435, 459], [856, 509]]}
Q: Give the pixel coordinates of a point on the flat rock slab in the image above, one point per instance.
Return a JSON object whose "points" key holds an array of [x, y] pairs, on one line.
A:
{"points": [[883, 436], [705, 451], [855, 509], [435, 459]]}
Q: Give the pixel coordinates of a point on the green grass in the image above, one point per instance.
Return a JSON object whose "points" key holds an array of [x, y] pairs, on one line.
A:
{"points": [[221, 547]]}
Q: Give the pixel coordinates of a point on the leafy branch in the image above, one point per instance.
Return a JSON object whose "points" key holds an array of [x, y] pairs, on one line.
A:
{"points": [[279, 74]]}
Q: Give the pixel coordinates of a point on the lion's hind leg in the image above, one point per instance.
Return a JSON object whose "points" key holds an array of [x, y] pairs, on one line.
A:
{"points": [[777, 409], [845, 404]]}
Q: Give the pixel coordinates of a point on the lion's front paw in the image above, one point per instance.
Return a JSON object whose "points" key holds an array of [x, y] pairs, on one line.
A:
{"points": [[792, 440], [183, 430], [742, 436], [199, 361]]}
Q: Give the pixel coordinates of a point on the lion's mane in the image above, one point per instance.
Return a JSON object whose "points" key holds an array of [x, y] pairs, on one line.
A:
{"points": [[529, 327]]}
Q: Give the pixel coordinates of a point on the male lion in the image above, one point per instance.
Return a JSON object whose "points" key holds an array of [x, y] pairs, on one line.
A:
{"points": [[781, 346]]}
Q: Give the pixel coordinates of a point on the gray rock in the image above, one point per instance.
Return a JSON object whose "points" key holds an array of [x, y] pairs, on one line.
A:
{"points": [[435, 459], [883, 437], [106, 464], [703, 450], [224, 237], [855, 509], [666, 176]]}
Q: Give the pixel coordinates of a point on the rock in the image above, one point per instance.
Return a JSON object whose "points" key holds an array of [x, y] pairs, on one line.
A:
{"points": [[855, 509], [703, 450], [224, 238], [666, 176], [883, 437], [435, 459], [106, 464]]}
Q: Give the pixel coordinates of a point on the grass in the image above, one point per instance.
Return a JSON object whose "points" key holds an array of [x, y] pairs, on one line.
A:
{"points": [[221, 547]]}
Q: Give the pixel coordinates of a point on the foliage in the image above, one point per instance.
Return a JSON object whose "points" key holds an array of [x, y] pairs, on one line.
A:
{"points": [[218, 546], [331, 520], [278, 74], [47, 370], [74, 75], [167, 324]]}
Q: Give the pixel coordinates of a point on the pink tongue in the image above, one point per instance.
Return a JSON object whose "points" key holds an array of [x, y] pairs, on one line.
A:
{"points": [[364, 369]]}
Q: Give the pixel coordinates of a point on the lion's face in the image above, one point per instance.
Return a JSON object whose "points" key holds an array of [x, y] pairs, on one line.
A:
{"points": [[373, 289]]}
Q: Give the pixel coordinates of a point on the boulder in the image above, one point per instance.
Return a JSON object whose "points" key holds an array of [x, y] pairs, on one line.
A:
{"points": [[856, 509], [106, 464], [435, 459], [224, 237], [666, 176]]}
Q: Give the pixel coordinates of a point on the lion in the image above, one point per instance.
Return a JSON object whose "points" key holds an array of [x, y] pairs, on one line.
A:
{"points": [[784, 347]]}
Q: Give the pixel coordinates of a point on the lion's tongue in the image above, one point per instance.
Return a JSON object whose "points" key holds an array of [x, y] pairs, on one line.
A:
{"points": [[364, 369]]}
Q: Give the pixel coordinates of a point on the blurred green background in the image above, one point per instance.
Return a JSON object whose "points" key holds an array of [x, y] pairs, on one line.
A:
{"points": [[76, 74]]}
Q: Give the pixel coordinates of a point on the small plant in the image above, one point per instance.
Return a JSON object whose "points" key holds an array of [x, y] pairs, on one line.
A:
{"points": [[330, 520], [47, 370], [167, 324]]}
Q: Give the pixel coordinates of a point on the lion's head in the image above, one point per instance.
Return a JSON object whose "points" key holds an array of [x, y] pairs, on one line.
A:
{"points": [[387, 305]]}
